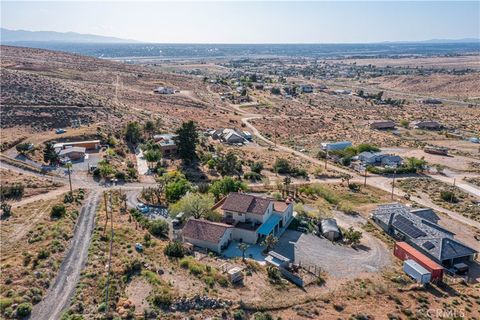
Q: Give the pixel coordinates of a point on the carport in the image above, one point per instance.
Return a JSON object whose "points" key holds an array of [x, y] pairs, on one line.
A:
{"points": [[271, 226]]}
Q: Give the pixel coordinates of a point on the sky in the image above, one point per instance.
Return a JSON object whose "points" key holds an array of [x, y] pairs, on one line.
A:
{"points": [[252, 21]]}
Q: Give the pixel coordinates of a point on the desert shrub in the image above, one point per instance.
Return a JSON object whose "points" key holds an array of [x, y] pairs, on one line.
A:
{"points": [[162, 300], [448, 196], [24, 309], [43, 254], [159, 228], [252, 176], [223, 282], [210, 281], [120, 175], [132, 268], [5, 303], [262, 316], [195, 269], [9, 192], [174, 249], [184, 263], [58, 211], [274, 274], [239, 315]]}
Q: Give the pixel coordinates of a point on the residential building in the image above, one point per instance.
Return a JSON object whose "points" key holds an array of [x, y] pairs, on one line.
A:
{"points": [[72, 153], [335, 146], [167, 143], [88, 145], [206, 234], [246, 218], [427, 125], [377, 158], [382, 125], [428, 237]]}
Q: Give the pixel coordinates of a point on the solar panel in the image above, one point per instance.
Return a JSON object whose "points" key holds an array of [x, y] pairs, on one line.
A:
{"points": [[428, 245], [406, 226]]}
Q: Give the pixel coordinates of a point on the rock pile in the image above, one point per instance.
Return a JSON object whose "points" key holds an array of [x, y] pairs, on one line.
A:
{"points": [[199, 303]]}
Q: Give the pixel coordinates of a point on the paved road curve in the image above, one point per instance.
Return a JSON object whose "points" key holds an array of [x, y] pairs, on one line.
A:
{"points": [[58, 296]]}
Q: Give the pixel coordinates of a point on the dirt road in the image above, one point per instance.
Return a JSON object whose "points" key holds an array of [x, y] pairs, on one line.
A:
{"points": [[58, 296]]}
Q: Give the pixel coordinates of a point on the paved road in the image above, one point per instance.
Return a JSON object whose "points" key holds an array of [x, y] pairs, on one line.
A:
{"points": [[58, 296]]}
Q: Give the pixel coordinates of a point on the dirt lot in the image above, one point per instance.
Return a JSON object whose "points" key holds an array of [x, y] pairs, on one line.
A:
{"points": [[33, 246], [32, 185]]}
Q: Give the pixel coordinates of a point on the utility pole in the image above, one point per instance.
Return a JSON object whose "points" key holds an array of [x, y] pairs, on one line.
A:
{"points": [[326, 157], [453, 191], [110, 253], [68, 165], [365, 182], [393, 182], [106, 212]]}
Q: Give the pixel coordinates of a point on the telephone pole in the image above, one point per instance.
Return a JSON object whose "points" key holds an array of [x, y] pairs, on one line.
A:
{"points": [[393, 182]]}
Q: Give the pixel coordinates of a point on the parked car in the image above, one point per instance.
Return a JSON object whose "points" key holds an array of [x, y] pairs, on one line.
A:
{"points": [[139, 247], [60, 131], [143, 208]]}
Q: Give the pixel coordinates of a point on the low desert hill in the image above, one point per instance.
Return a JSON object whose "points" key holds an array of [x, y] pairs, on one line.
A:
{"points": [[48, 89]]}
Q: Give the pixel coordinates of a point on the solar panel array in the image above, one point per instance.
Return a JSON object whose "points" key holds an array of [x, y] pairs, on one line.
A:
{"points": [[406, 226]]}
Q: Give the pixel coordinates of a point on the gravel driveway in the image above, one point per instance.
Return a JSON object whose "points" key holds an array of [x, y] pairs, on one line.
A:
{"points": [[337, 260]]}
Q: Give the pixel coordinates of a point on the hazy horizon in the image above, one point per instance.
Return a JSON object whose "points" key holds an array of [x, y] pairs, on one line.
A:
{"points": [[251, 22]]}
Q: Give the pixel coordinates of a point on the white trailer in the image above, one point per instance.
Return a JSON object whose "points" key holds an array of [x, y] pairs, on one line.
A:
{"points": [[416, 271]]}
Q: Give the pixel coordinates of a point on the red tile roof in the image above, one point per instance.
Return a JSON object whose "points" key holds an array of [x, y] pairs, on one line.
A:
{"points": [[204, 230], [245, 203]]}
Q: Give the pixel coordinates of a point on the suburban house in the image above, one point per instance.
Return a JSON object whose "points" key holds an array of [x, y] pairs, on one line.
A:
{"points": [[335, 146], [377, 158], [72, 153], [382, 125], [427, 125], [206, 234], [230, 136], [246, 218], [167, 143], [423, 234]]}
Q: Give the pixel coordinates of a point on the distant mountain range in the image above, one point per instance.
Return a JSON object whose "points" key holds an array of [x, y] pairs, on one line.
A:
{"points": [[13, 36], [10, 36], [464, 40]]}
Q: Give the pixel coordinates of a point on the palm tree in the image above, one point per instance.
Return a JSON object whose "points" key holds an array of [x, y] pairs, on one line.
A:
{"points": [[243, 247], [269, 242]]}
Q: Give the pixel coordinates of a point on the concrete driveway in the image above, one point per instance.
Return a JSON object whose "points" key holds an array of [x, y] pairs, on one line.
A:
{"points": [[337, 260]]}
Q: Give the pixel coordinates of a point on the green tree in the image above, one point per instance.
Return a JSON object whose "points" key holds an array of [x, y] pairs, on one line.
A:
{"points": [[105, 169], [176, 189], [229, 165], [281, 166], [24, 148], [49, 154], [159, 228], [58, 211], [187, 140], [193, 204], [152, 157], [24, 309], [174, 249], [415, 163], [269, 242], [133, 132], [257, 167], [352, 236], [226, 185], [149, 127]]}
